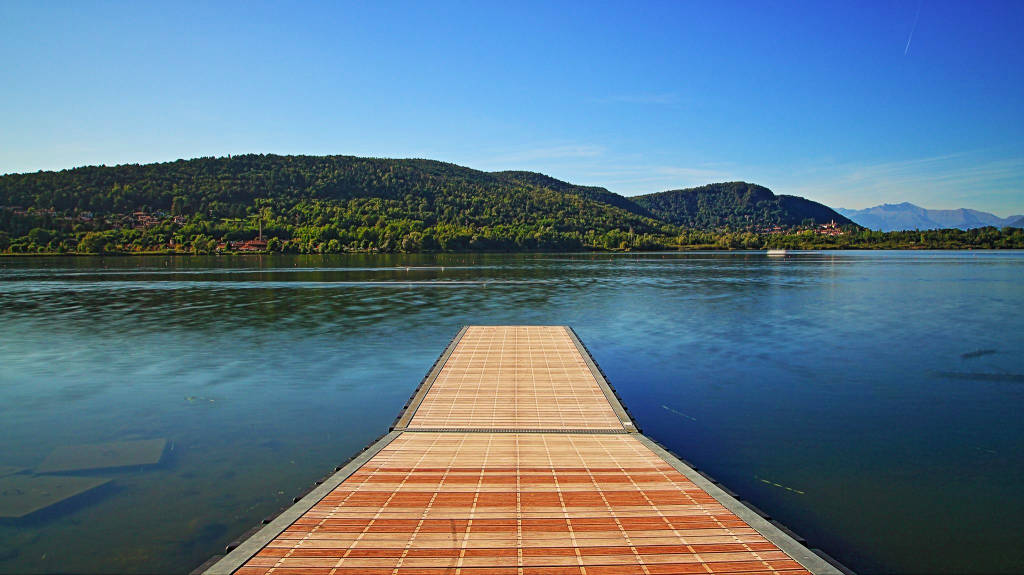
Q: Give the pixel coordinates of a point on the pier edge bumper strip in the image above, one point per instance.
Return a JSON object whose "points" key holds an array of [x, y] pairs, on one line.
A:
{"points": [[251, 546], [609, 392], [403, 419], [789, 545], [818, 564], [800, 552]]}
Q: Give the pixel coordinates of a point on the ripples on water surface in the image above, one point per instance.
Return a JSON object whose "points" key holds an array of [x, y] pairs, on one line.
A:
{"points": [[838, 391]]}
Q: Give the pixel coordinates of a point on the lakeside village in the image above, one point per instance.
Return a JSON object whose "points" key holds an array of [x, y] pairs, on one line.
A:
{"points": [[79, 221], [49, 231], [86, 221]]}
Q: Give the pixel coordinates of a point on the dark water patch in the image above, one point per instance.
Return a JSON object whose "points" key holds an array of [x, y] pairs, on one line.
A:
{"points": [[981, 376], [679, 413], [202, 535], [978, 353]]}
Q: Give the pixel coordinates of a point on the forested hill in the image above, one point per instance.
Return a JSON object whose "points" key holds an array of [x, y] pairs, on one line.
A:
{"points": [[362, 203], [427, 191], [735, 205], [335, 204], [227, 187], [595, 193]]}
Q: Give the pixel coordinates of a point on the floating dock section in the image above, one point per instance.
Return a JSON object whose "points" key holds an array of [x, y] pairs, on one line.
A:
{"points": [[515, 457]]}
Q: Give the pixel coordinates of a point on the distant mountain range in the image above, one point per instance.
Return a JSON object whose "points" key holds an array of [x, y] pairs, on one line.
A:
{"points": [[907, 216]]}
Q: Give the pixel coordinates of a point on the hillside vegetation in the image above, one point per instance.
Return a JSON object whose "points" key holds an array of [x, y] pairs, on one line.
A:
{"points": [[333, 204], [736, 205], [306, 201], [595, 193]]}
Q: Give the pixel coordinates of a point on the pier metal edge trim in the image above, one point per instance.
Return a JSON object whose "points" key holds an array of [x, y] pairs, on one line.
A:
{"points": [[800, 552], [564, 431], [790, 546], [252, 545], [609, 392], [409, 411]]}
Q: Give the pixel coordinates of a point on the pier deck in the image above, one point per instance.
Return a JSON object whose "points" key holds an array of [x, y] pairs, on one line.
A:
{"points": [[515, 457]]}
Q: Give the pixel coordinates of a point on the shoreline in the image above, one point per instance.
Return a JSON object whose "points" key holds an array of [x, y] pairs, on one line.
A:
{"points": [[688, 249]]}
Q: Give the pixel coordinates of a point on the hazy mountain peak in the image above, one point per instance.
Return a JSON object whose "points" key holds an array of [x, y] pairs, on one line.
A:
{"points": [[908, 216]]}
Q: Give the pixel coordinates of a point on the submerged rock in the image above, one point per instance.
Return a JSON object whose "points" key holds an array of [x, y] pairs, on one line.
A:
{"points": [[103, 455], [23, 495]]}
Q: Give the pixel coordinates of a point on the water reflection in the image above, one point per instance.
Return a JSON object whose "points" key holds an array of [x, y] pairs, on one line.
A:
{"points": [[810, 384]]}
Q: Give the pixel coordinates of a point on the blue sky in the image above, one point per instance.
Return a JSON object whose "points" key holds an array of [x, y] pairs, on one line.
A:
{"points": [[847, 103]]}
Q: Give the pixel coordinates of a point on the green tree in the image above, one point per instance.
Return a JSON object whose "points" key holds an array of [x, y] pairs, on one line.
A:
{"points": [[39, 236], [93, 243]]}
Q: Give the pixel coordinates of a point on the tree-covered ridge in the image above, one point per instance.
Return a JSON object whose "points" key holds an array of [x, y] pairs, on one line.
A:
{"points": [[737, 206], [595, 193], [333, 204], [227, 187], [305, 202]]}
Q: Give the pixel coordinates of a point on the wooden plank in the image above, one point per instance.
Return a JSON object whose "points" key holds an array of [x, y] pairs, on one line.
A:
{"points": [[456, 501], [515, 456], [427, 383], [516, 377]]}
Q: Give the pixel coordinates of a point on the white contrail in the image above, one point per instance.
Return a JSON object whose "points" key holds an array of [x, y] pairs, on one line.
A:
{"points": [[912, 28]]}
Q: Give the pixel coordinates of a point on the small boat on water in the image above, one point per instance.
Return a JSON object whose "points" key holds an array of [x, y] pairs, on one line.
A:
{"points": [[777, 252]]}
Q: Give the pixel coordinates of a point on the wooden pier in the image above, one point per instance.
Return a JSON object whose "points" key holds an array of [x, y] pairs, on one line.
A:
{"points": [[515, 457]]}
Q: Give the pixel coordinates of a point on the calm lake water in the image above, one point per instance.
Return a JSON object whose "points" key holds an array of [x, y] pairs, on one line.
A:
{"points": [[840, 392]]}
